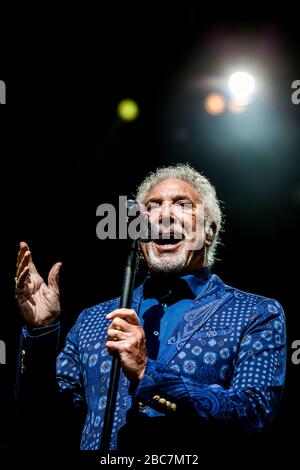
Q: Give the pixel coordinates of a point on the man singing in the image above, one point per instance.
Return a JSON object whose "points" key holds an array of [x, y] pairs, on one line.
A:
{"points": [[199, 358]]}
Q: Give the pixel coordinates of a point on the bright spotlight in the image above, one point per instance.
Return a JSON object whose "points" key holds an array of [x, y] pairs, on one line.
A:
{"points": [[128, 110], [241, 85]]}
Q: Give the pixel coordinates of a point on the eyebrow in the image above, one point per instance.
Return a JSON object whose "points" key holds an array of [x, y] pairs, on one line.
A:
{"points": [[177, 197]]}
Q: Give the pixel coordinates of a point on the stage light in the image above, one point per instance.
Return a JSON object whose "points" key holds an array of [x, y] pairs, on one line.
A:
{"points": [[128, 110], [214, 104], [241, 85]]}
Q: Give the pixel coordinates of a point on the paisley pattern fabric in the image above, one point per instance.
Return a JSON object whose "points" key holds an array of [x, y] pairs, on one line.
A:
{"points": [[224, 361]]}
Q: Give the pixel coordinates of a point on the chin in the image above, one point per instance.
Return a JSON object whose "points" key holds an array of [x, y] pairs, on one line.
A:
{"points": [[166, 263]]}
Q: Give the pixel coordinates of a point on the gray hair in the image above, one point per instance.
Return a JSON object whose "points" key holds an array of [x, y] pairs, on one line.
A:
{"points": [[206, 191]]}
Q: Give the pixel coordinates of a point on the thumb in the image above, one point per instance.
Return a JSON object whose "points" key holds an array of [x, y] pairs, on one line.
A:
{"points": [[53, 277]]}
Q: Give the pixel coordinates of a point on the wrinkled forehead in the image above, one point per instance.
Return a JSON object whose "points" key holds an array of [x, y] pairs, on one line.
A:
{"points": [[171, 189]]}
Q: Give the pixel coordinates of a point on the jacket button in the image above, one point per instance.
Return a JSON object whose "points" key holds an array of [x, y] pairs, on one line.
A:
{"points": [[173, 406], [156, 397], [162, 401]]}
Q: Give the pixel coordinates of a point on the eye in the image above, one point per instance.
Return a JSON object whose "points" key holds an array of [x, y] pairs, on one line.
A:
{"points": [[152, 206], [187, 205]]}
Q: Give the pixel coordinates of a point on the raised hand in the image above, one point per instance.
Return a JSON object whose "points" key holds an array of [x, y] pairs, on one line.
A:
{"points": [[37, 301]]}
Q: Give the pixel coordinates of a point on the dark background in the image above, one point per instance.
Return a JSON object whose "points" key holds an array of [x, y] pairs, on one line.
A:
{"points": [[64, 151]]}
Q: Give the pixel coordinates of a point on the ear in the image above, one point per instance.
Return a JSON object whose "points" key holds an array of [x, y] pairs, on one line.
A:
{"points": [[210, 232]]}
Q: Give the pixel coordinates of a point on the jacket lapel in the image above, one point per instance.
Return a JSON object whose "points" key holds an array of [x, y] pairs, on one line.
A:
{"points": [[209, 302], [137, 298]]}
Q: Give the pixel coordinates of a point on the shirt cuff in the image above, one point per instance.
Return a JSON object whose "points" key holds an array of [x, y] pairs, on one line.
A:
{"points": [[40, 331]]}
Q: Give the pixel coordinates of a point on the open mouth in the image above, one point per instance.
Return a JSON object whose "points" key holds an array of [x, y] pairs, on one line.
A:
{"points": [[169, 241]]}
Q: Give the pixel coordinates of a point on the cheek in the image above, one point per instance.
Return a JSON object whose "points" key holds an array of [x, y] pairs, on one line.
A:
{"points": [[189, 222], [198, 225], [196, 234], [153, 217]]}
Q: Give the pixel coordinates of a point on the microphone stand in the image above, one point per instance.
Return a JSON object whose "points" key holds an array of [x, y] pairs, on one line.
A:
{"points": [[125, 302]]}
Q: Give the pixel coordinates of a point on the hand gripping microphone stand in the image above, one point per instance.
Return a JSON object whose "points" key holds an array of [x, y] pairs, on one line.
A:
{"points": [[125, 302]]}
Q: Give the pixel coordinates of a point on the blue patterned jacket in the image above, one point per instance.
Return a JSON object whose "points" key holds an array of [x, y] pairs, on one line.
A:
{"points": [[223, 364]]}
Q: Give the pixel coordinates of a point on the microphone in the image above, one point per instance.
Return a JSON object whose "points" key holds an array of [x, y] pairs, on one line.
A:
{"points": [[148, 231]]}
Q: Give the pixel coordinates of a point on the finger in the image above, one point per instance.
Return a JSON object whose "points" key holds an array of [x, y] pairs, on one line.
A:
{"points": [[116, 335], [21, 282], [23, 247], [112, 346], [127, 314], [121, 324], [53, 277], [24, 262], [31, 265], [117, 346]]}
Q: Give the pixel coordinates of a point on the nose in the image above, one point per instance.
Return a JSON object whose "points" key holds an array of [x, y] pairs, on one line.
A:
{"points": [[166, 214]]}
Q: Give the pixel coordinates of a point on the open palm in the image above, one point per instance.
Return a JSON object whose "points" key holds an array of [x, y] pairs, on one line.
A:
{"points": [[38, 302]]}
